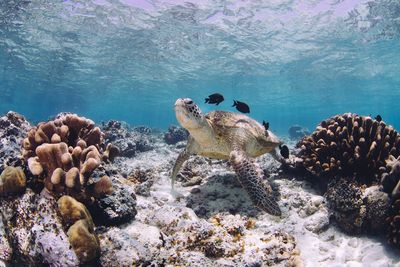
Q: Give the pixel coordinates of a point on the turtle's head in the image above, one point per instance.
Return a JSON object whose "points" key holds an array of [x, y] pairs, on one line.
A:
{"points": [[188, 114]]}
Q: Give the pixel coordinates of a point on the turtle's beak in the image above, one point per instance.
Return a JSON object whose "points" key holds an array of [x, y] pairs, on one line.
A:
{"points": [[179, 102]]}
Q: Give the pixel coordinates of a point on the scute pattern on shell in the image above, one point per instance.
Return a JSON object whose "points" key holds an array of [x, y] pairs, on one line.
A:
{"points": [[348, 145], [223, 121]]}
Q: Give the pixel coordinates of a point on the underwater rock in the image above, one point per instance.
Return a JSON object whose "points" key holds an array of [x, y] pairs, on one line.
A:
{"points": [[36, 232], [296, 132], [194, 171], [378, 205], [181, 238], [5, 247], [318, 222], [142, 181], [393, 220], [134, 245], [175, 134], [345, 201], [116, 208], [221, 193], [129, 141], [13, 129], [12, 181], [357, 209], [51, 241], [391, 185]]}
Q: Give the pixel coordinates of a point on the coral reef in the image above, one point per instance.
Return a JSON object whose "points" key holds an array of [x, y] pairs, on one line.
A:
{"points": [[393, 221], [72, 210], [115, 208], [81, 231], [347, 145], [391, 185], [296, 132], [353, 156], [12, 180], [66, 151], [35, 231], [207, 221], [83, 240], [176, 236], [345, 200], [175, 134], [129, 141], [13, 129], [142, 180], [5, 246]]}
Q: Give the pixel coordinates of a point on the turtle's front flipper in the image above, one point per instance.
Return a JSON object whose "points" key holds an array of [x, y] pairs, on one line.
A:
{"points": [[250, 176], [183, 156]]}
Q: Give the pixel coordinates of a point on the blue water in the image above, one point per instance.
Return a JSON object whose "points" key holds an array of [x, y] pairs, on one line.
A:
{"points": [[293, 62]]}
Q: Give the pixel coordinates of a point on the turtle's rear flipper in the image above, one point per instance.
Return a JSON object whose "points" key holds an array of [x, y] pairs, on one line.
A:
{"points": [[250, 176]]}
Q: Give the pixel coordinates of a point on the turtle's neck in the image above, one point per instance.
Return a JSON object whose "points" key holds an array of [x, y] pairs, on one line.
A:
{"points": [[203, 134]]}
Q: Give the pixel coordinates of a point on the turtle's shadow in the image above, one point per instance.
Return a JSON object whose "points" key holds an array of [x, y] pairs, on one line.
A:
{"points": [[221, 193]]}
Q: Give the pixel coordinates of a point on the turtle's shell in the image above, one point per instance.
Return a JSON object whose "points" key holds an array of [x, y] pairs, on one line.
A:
{"points": [[223, 122]]}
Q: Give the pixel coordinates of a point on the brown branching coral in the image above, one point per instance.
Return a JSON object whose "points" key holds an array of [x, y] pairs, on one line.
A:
{"points": [[364, 154], [65, 152], [350, 145]]}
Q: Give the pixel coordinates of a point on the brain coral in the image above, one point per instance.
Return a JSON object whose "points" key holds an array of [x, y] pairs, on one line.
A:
{"points": [[81, 232], [65, 152], [12, 180]]}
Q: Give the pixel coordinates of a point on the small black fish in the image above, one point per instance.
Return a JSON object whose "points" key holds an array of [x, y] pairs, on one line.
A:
{"points": [[378, 118], [284, 151], [266, 125], [240, 106], [214, 99]]}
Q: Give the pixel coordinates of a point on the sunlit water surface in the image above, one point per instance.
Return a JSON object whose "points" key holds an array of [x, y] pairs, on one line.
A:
{"points": [[293, 62]]}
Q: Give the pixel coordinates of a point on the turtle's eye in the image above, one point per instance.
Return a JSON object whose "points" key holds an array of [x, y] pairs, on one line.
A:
{"points": [[189, 102]]}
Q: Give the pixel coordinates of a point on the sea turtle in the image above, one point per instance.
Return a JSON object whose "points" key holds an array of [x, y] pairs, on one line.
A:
{"points": [[231, 136]]}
